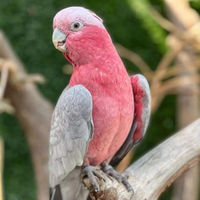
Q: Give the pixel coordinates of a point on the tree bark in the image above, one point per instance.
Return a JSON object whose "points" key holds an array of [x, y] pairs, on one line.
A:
{"points": [[34, 114], [186, 187], [155, 171], [1, 168]]}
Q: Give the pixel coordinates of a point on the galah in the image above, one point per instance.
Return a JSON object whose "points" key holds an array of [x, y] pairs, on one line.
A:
{"points": [[101, 114]]}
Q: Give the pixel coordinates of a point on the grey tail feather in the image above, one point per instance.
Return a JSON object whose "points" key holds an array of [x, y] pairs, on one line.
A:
{"points": [[70, 188], [89, 198], [55, 193]]}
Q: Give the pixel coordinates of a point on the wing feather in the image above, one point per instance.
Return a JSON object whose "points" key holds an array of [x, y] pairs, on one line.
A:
{"points": [[71, 131], [142, 101]]}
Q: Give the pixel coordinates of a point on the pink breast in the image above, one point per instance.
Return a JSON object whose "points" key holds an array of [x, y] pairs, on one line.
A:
{"points": [[113, 109], [112, 121]]}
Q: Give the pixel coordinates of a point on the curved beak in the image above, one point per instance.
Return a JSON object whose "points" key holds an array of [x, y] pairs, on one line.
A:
{"points": [[59, 40]]}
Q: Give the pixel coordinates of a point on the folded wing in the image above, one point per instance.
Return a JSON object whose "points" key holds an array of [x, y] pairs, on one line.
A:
{"points": [[142, 101], [71, 131]]}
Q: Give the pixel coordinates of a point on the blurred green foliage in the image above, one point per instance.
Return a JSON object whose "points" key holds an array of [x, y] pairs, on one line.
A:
{"points": [[28, 25], [142, 9]]}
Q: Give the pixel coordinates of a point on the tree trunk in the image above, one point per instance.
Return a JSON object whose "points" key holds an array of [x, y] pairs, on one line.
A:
{"points": [[34, 114], [186, 187]]}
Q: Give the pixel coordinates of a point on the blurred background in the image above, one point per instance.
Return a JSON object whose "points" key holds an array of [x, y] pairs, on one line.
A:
{"points": [[160, 39]]}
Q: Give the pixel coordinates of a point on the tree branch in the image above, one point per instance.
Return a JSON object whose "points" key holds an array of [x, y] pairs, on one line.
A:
{"points": [[34, 113], [187, 186], [3, 80], [1, 168], [134, 58], [156, 170]]}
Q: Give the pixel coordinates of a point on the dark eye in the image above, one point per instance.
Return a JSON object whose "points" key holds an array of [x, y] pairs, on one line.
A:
{"points": [[76, 26]]}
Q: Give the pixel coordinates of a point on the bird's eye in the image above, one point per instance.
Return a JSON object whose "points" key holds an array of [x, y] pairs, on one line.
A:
{"points": [[76, 26]]}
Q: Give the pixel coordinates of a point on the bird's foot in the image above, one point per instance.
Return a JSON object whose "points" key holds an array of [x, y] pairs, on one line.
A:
{"points": [[91, 172], [108, 169]]}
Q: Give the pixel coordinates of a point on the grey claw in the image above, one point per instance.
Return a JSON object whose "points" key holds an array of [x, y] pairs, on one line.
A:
{"points": [[98, 174], [127, 185], [119, 177], [91, 172]]}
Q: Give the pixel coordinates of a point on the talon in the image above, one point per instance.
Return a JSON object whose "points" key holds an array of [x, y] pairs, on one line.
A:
{"points": [[107, 169], [127, 185], [91, 172]]}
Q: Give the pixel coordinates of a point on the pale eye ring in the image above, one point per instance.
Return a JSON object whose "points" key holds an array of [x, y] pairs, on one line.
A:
{"points": [[76, 26]]}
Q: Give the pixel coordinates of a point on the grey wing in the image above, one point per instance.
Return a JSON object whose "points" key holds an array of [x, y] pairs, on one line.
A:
{"points": [[142, 101], [71, 131]]}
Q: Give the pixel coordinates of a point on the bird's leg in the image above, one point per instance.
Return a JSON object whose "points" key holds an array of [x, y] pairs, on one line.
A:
{"points": [[90, 172], [108, 169]]}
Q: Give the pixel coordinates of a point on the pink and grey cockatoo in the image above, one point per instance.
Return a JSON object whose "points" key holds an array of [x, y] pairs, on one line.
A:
{"points": [[101, 114]]}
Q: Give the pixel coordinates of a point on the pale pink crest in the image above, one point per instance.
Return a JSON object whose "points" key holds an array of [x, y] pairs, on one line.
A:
{"points": [[65, 17]]}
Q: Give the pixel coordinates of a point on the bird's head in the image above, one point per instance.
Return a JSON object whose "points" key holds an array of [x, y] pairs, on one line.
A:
{"points": [[80, 34]]}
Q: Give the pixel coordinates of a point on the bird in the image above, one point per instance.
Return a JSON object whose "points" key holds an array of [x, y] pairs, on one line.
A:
{"points": [[101, 114]]}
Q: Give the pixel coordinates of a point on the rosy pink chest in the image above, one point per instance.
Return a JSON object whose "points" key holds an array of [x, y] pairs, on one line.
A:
{"points": [[113, 109]]}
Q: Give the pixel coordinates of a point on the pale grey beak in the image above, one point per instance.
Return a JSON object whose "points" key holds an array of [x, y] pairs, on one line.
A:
{"points": [[59, 40]]}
